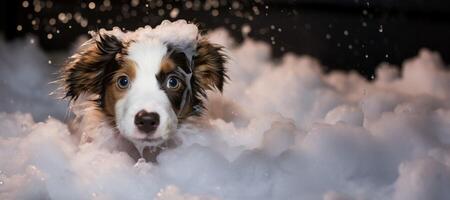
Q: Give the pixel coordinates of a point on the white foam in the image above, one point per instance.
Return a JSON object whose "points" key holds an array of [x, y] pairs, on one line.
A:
{"points": [[25, 74], [180, 33]]}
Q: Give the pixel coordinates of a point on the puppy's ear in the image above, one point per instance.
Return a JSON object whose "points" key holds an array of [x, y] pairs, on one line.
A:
{"points": [[209, 69], [88, 69]]}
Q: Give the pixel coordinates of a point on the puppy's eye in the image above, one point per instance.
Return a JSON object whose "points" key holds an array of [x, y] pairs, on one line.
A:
{"points": [[123, 82], [173, 83]]}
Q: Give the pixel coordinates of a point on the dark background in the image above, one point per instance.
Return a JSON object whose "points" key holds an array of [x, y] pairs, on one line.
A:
{"points": [[346, 34]]}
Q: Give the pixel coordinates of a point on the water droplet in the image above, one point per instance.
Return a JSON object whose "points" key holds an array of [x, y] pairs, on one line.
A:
{"points": [[345, 32], [134, 3], [37, 8], [174, 12], [25, 4], [245, 29], [161, 12], [91, 5], [215, 12], [52, 21], [84, 23]]}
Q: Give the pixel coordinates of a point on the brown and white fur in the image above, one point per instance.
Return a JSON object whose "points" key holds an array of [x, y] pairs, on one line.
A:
{"points": [[148, 109]]}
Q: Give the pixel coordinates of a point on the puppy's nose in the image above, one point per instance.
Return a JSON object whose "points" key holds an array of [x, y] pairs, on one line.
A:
{"points": [[146, 122]]}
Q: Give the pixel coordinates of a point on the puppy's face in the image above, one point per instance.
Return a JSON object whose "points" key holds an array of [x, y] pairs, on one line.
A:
{"points": [[145, 87]]}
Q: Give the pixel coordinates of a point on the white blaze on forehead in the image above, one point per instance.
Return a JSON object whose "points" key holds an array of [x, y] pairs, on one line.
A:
{"points": [[147, 55]]}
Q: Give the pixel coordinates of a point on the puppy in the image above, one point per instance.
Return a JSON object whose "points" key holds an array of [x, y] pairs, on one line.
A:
{"points": [[139, 86]]}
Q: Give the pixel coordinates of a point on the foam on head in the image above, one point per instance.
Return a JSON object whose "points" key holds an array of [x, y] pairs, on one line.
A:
{"points": [[179, 34]]}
